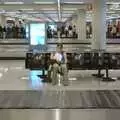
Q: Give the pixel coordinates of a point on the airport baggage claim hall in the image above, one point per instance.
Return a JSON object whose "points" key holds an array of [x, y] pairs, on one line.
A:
{"points": [[59, 59]]}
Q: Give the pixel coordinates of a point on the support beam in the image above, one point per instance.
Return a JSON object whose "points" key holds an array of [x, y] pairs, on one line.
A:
{"points": [[99, 25], [32, 6], [47, 16], [81, 24], [2, 20], [59, 11], [42, 7]]}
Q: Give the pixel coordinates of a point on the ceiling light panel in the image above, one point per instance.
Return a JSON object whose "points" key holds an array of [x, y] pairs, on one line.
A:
{"points": [[48, 9], [68, 12], [25, 9], [50, 12], [44, 1], [110, 12], [115, 15], [13, 3], [71, 9], [73, 2], [32, 12], [16, 1], [114, 6], [76, 1], [39, 2], [113, 3]]}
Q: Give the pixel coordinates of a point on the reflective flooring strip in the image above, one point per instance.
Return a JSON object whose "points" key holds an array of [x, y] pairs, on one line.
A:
{"points": [[60, 99]]}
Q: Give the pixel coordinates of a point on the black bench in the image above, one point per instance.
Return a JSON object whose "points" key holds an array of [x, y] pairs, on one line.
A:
{"points": [[78, 61]]}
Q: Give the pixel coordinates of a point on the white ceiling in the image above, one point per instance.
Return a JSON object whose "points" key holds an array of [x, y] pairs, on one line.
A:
{"points": [[48, 1], [48, 9]]}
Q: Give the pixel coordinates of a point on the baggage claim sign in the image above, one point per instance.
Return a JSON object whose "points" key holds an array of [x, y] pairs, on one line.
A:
{"points": [[37, 34]]}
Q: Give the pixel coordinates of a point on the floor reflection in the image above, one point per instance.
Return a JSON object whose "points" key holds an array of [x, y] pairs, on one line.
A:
{"points": [[35, 81]]}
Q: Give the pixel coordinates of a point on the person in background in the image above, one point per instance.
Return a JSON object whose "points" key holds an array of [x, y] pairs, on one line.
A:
{"points": [[118, 29], [8, 31], [59, 65], [4, 32], [22, 32], [62, 31], [66, 31], [88, 31], [1, 30], [70, 31], [16, 31], [109, 29], [74, 31], [114, 31], [49, 32], [13, 30]]}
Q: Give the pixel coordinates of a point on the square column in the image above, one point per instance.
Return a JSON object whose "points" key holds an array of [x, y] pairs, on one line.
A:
{"points": [[74, 21], [81, 24], [99, 25], [2, 20]]}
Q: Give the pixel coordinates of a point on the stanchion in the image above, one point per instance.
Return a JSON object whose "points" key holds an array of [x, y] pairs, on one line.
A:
{"points": [[43, 76], [107, 64], [98, 75], [107, 78], [99, 64]]}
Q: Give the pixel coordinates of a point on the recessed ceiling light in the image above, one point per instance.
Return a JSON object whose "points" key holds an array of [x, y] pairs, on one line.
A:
{"points": [[13, 2]]}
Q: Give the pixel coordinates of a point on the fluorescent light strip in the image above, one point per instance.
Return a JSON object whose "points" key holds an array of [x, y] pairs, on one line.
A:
{"points": [[112, 2], [32, 12], [115, 15], [110, 12], [27, 9], [117, 9], [71, 9], [73, 2], [109, 17], [13, 2], [44, 2]]}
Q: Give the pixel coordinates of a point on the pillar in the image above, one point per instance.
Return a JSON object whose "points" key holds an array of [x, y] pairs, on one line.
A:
{"points": [[2, 20], [99, 25], [74, 21], [81, 24]]}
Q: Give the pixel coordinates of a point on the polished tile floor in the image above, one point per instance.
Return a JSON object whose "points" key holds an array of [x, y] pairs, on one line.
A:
{"points": [[14, 76], [57, 114]]}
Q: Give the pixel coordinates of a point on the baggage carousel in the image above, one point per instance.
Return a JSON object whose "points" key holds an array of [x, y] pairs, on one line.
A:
{"points": [[104, 99]]}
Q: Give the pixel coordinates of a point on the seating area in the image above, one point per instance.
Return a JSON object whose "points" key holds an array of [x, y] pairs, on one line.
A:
{"points": [[78, 61]]}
